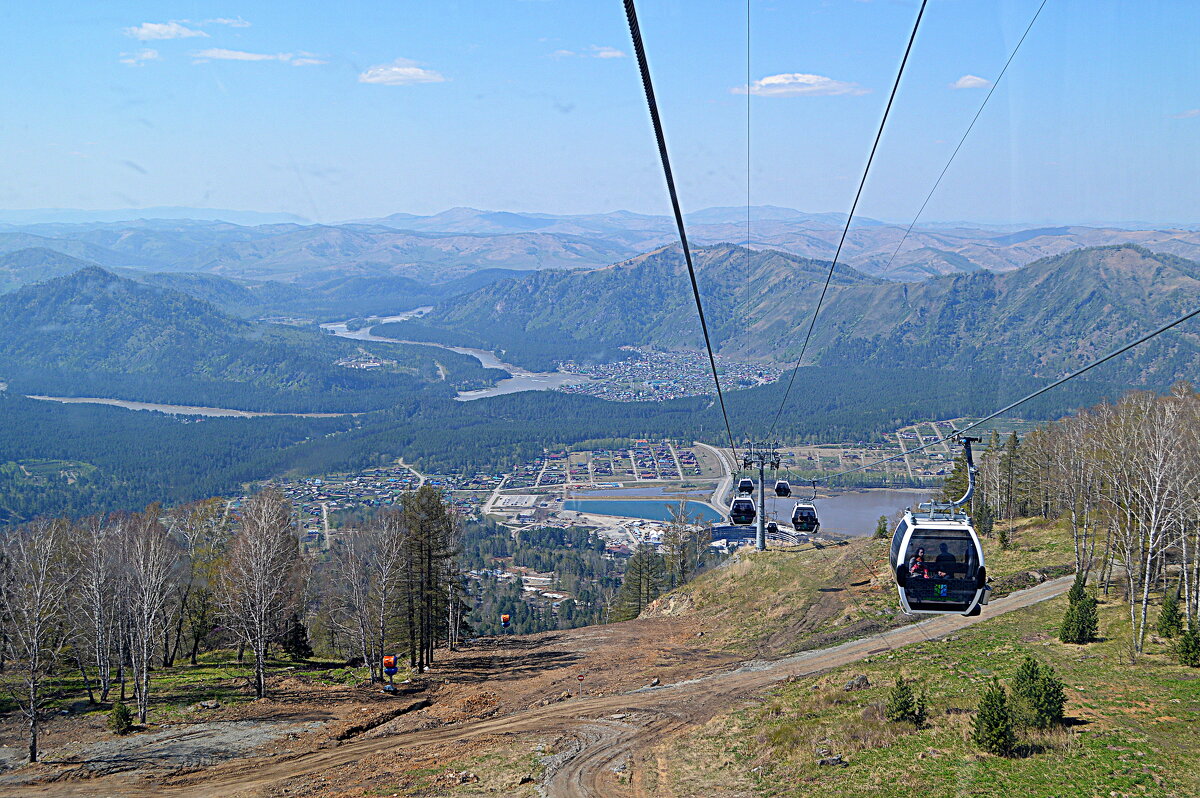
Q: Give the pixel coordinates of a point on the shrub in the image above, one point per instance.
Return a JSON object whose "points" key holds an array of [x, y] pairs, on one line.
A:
{"points": [[295, 640], [1170, 620], [881, 527], [992, 727], [1081, 622], [905, 704], [120, 719], [1038, 697], [1187, 648], [1078, 589]]}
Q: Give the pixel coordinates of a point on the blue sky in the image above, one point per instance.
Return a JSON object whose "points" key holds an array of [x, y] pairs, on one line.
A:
{"points": [[347, 110]]}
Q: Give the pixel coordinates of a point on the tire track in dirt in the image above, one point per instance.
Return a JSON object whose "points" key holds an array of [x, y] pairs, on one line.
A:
{"points": [[602, 743]]}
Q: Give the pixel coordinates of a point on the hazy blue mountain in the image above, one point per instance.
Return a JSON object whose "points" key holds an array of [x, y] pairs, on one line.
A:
{"points": [[461, 241], [35, 264], [78, 216], [1043, 319]]}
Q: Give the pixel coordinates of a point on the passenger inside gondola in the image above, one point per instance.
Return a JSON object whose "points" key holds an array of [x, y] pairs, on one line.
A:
{"points": [[917, 567], [946, 563], [951, 572]]}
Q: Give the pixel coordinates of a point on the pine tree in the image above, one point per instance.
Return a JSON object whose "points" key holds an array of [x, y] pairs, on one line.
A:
{"points": [[295, 640], [1038, 697], [881, 527], [1089, 619], [644, 574], [120, 719], [992, 727], [987, 520], [1081, 622], [1078, 589], [955, 484], [1187, 648], [1170, 620], [905, 704]]}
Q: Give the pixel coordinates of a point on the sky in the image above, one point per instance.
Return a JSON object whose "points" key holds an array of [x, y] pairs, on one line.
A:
{"points": [[350, 110]]}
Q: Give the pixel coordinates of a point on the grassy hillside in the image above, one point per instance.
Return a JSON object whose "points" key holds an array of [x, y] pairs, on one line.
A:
{"points": [[790, 599], [1132, 729]]}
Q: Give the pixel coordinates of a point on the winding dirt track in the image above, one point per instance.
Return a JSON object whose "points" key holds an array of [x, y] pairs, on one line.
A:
{"points": [[597, 744]]}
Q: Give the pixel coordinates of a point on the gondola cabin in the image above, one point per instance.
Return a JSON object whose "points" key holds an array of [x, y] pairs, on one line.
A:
{"points": [[741, 511], [804, 518], [938, 563], [783, 489], [745, 486]]}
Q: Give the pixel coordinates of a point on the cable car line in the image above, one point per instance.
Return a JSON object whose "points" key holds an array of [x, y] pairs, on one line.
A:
{"points": [[959, 433], [966, 133], [640, 49], [849, 217]]}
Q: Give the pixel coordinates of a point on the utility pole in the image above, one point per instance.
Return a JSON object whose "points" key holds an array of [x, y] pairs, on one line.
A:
{"points": [[761, 454]]}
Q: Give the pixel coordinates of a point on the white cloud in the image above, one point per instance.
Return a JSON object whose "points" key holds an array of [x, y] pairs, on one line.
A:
{"points": [[401, 72], [605, 52], [307, 60], [162, 30], [593, 51], [139, 58], [220, 54], [233, 23], [1190, 114], [799, 84], [971, 82]]}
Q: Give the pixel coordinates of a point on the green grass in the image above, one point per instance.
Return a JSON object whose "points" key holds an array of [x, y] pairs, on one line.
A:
{"points": [[1134, 729], [791, 599], [217, 675]]}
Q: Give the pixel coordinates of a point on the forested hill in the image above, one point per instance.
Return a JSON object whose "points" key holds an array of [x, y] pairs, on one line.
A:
{"points": [[26, 266], [92, 333], [1042, 319], [545, 317]]}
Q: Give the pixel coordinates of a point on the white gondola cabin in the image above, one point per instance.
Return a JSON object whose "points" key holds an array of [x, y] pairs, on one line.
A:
{"points": [[745, 486], [783, 488], [742, 512], [804, 518], [937, 558]]}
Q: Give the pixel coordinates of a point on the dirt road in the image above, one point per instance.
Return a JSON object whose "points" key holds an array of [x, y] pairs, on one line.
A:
{"points": [[602, 735]]}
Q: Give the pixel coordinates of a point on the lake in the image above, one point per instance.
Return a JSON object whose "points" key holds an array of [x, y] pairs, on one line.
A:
{"points": [[850, 513], [649, 510]]}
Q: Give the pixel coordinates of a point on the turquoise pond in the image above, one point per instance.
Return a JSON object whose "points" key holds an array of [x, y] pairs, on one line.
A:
{"points": [[649, 510]]}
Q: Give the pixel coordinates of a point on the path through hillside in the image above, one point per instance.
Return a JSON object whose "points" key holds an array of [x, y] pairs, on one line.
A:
{"points": [[599, 734]]}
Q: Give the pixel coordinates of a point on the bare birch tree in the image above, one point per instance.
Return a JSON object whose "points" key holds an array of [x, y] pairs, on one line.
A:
{"points": [[150, 560], [95, 541], [261, 579], [37, 579]]}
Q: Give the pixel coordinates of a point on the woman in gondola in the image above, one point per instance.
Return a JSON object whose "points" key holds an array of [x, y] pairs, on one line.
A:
{"points": [[917, 566]]}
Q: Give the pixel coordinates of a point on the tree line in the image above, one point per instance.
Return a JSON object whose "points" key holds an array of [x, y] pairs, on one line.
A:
{"points": [[116, 597], [1125, 477]]}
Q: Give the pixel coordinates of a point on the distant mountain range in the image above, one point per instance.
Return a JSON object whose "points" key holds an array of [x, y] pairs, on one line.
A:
{"points": [[173, 212], [462, 241], [340, 296], [1043, 319]]}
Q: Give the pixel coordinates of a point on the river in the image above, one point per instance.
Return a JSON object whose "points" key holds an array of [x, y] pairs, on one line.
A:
{"points": [[177, 410], [519, 379]]}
